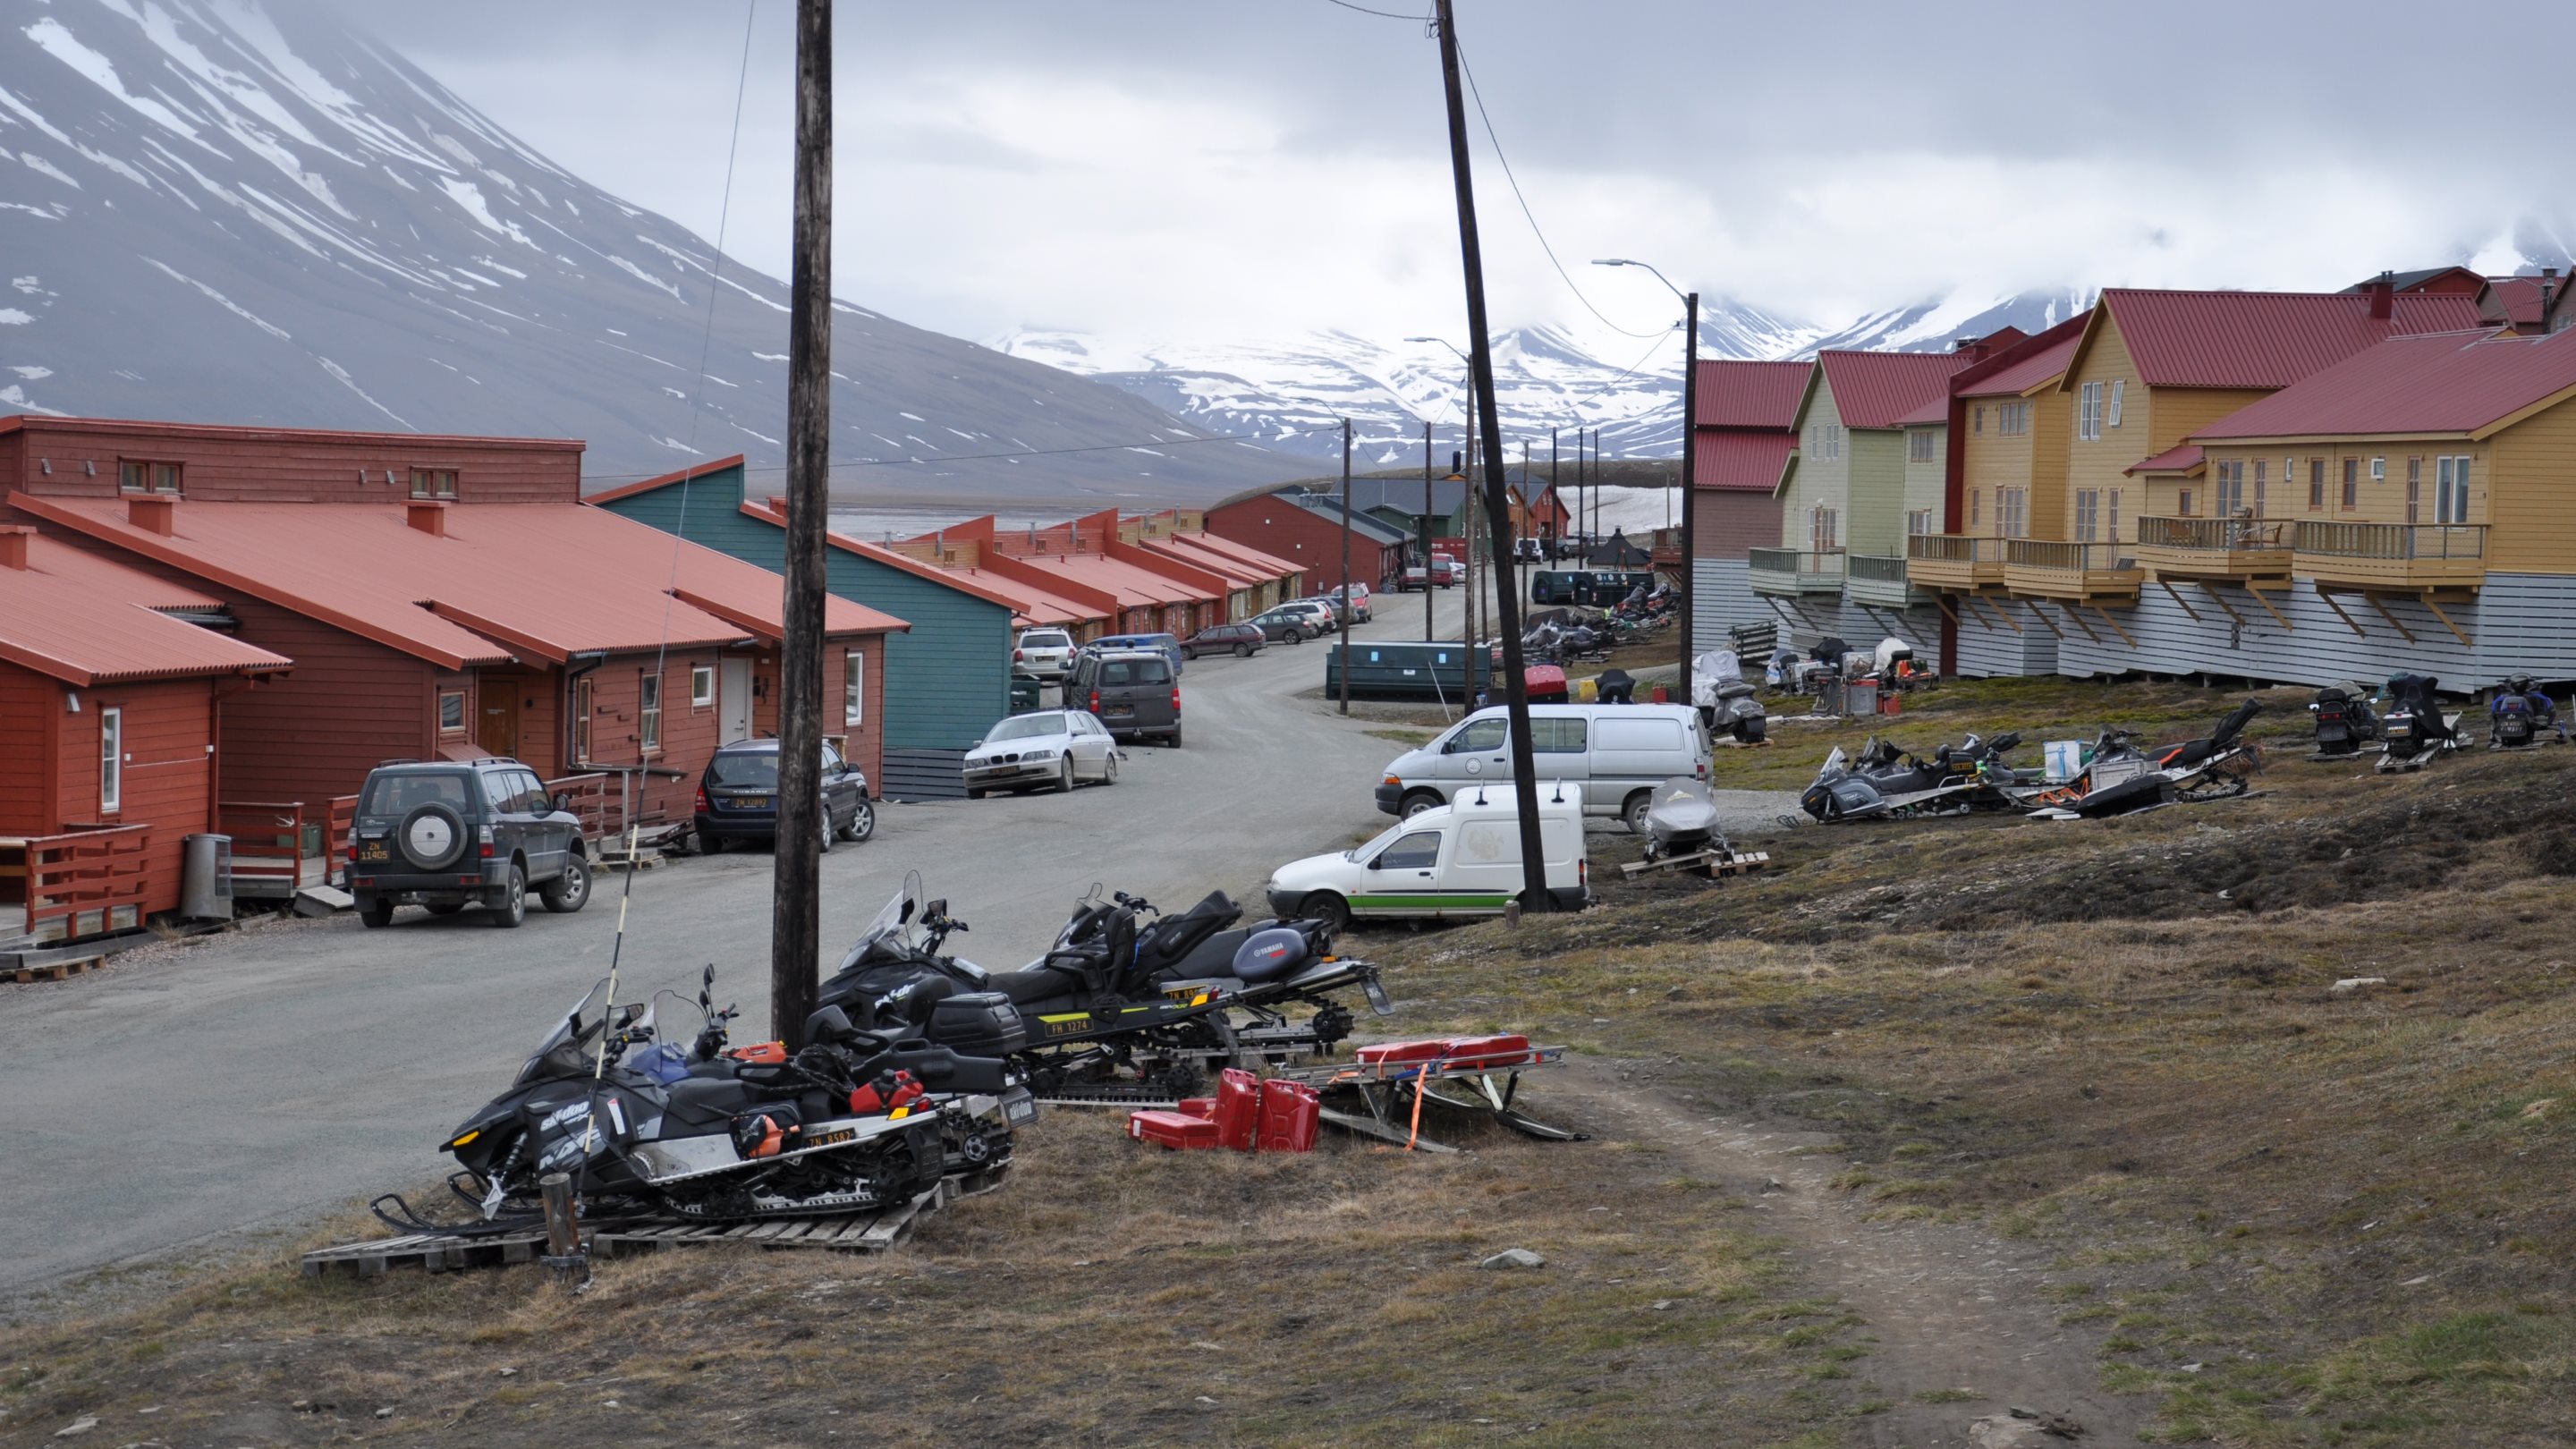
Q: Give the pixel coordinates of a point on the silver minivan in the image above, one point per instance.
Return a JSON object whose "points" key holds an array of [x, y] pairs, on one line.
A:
{"points": [[1619, 752]]}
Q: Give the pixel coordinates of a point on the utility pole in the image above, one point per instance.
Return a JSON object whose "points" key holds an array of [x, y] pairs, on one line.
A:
{"points": [[1349, 616], [1534, 896], [1690, 482], [1422, 527], [1555, 495], [796, 908]]}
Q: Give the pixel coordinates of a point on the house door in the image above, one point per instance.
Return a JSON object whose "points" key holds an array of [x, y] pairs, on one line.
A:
{"points": [[733, 699], [496, 729]]}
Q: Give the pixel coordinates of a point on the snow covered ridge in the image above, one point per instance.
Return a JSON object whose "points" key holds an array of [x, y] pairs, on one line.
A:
{"points": [[1292, 392], [212, 211]]}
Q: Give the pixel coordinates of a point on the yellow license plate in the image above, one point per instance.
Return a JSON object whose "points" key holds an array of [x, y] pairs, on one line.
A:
{"points": [[372, 850], [751, 802]]}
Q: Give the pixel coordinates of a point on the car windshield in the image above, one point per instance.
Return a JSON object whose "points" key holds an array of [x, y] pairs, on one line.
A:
{"points": [[1376, 843], [745, 768], [1026, 727], [1045, 641], [402, 793]]}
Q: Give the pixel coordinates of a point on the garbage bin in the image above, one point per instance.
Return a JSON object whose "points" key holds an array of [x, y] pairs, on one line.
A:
{"points": [[206, 877], [1860, 696]]}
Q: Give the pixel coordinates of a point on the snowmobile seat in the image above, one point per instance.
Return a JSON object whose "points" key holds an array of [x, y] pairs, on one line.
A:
{"points": [[1175, 937], [1040, 983], [705, 1101]]}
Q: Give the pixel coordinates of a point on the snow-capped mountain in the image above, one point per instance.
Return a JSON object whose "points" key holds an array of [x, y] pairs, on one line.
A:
{"points": [[230, 211], [1293, 393]]}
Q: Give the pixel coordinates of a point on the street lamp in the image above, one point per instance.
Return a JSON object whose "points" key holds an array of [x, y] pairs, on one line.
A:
{"points": [[1690, 460]]}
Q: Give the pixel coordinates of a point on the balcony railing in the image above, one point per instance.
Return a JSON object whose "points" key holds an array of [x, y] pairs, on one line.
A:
{"points": [[2214, 534], [1879, 568], [1955, 548], [2044, 553], [1796, 570], [2398, 541], [80, 883]]}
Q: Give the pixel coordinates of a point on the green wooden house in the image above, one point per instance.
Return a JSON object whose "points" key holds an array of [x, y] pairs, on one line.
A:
{"points": [[946, 680]]}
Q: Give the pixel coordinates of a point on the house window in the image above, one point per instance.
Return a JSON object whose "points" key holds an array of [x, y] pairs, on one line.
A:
{"points": [[2451, 490], [854, 687], [1976, 505], [2379, 470], [1918, 521], [648, 711], [1918, 446], [2182, 503], [2316, 485], [2258, 488], [141, 476], [111, 761], [582, 704], [2012, 419], [1821, 524], [2351, 484], [2087, 398], [2111, 518], [702, 685], [433, 482], [1977, 421], [2231, 489], [2088, 514], [2119, 389], [451, 711], [2012, 511], [2414, 487]]}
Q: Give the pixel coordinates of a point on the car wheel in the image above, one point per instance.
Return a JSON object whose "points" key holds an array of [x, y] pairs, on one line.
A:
{"points": [[1296, 636], [513, 909], [375, 912], [1109, 769], [1417, 802], [1064, 775], [1242, 651], [570, 891], [445, 908], [1175, 741], [710, 844], [1188, 653], [1327, 907], [863, 823], [1634, 812], [972, 793]]}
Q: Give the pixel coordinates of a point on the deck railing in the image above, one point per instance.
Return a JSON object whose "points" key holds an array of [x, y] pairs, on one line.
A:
{"points": [[2214, 535], [280, 847], [1880, 568], [596, 799], [2044, 553], [76, 883], [1822, 566], [2393, 540], [1955, 547]]}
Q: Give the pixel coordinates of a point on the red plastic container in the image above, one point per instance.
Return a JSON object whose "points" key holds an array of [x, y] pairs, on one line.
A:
{"points": [[1171, 1129], [1491, 1053], [1389, 1052], [1203, 1108], [1238, 1109], [1291, 1114], [1544, 684]]}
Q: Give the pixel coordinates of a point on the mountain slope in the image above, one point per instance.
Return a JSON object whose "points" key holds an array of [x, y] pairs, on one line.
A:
{"points": [[214, 211]]}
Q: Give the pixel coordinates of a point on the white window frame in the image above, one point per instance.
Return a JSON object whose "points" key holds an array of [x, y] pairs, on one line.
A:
{"points": [[702, 685], [2088, 514], [2119, 392], [111, 760], [648, 712], [2379, 470], [464, 712], [854, 687]]}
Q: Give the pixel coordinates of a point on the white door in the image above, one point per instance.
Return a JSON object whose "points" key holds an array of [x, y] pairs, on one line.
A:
{"points": [[733, 700]]}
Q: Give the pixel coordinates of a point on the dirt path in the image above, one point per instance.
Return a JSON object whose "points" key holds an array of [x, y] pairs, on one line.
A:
{"points": [[1948, 1306]]}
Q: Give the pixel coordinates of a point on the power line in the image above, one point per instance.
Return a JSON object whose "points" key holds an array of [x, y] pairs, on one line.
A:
{"points": [[1382, 14], [1622, 377], [1016, 453]]}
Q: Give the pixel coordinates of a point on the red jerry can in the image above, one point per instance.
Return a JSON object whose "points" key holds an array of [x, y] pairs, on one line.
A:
{"points": [[1203, 1108], [1291, 1112], [1238, 1109], [1171, 1129]]}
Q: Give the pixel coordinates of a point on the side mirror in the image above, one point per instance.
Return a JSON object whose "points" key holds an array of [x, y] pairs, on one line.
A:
{"points": [[1378, 864], [562, 801], [938, 907]]}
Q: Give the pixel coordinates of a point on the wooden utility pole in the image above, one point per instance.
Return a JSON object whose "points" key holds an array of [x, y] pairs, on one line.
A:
{"points": [[1690, 486], [1349, 612], [1498, 514], [796, 910]]}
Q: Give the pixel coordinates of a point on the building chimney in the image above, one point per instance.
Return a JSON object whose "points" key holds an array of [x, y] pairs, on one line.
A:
{"points": [[2548, 289], [14, 539], [153, 513], [427, 515], [2383, 296]]}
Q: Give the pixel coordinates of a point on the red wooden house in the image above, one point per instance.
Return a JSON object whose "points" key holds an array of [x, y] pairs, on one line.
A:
{"points": [[109, 748]]}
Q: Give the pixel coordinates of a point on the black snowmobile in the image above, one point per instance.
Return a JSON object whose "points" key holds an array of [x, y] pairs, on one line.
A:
{"points": [[1126, 1004], [2522, 714], [1885, 781], [855, 1121], [2412, 727], [2344, 723]]}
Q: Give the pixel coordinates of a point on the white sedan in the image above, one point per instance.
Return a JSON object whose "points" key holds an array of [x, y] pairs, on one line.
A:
{"points": [[1058, 747]]}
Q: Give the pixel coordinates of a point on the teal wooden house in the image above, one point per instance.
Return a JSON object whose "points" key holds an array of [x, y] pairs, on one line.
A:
{"points": [[947, 679]]}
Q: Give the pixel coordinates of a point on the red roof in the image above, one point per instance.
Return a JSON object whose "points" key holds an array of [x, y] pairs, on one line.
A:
{"points": [[1751, 394], [1877, 389], [1748, 461], [2185, 458], [546, 580], [1236, 573], [1934, 410], [2259, 339], [2040, 368], [2456, 383], [86, 619], [231, 432], [1268, 566], [1134, 585], [2517, 299], [774, 511]]}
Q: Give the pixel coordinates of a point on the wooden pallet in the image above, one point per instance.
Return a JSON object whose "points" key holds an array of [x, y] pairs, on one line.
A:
{"points": [[1710, 863], [846, 1233], [57, 969]]}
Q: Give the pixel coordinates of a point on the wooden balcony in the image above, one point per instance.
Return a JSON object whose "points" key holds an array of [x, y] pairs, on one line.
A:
{"points": [[2214, 550], [2083, 573], [1957, 562], [1880, 579], [71, 886], [1790, 572], [2405, 558]]}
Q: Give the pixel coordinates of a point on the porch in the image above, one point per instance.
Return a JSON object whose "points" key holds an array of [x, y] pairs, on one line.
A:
{"points": [[1959, 562], [1789, 572], [2405, 557], [73, 885], [2215, 550], [2082, 573], [1879, 579]]}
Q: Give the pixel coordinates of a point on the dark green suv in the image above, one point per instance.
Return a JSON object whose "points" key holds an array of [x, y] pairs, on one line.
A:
{"points": [[447, 835]]}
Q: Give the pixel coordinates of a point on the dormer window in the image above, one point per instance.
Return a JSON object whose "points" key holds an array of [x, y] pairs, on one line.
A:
{"points": [[134, 475], [433, 482]]}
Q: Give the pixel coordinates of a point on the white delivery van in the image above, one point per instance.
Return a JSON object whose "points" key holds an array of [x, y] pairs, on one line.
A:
{"points": [[1450, 861], [1618, 753]]}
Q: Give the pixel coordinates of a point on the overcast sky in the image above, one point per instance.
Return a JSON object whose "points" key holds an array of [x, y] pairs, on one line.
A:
{"points": [[1248, 168]]}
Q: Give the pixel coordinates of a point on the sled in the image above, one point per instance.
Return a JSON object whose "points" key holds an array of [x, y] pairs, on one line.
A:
{"points": [[1712, 863], [1394, 1081]]}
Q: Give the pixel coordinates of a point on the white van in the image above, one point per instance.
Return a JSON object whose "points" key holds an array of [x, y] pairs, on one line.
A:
{"points": [[1619, 753], [1447, 862]]}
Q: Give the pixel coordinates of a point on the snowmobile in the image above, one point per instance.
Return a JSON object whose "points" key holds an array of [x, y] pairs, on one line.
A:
{"points": [[1726, 703], [1682, 819], [2522, 714], [2121, 775], [1114, 1009], [855, 1121], [2344, 723], [2412, 728], [1889, 784]]}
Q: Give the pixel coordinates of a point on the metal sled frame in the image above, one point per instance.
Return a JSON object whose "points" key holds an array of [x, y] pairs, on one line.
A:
{"points": [[1393, 1094], [1714, 862]]}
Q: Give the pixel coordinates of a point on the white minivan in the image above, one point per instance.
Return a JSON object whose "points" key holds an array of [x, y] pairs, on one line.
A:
{"points": [[1619, 753], [1450, 861]]}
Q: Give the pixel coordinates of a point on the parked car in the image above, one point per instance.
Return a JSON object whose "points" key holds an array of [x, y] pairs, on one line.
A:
{"points": [[447, 835], [1291, 625], [1315, 612], [1043, 654], [1360, 609], [1449, 861], [1618, 752], [738, 797], [1447, 570], [1058, 747], [1135, 694], [1421, 576], [1167, 645], [1240, 640], [1529, 550]]}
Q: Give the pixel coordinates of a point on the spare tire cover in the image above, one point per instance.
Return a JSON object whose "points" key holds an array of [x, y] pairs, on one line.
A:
{"points": [[1269, 955], [431, 836]]}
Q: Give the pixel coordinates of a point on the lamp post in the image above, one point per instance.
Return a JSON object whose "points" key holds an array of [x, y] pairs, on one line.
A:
{"points": [[1690, 426]]}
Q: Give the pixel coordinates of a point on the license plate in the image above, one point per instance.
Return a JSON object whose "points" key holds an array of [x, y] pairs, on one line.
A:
{"points": [[372, 850], [1019, 1108], [1121, 711], [751, 802]]}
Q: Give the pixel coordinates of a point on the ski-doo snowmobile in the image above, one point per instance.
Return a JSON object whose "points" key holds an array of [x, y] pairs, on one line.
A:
{"points": [[2412, 728], [2123, 775], [1114, 1006], [854, 1121], [1682, 819], [1973, 759], [1886, 781], [2344, 723], [2522, 714], [1726, 703]]}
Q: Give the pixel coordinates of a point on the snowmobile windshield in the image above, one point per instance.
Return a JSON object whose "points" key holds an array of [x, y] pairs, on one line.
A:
{"points": [[888, 925], [1836, 763], [571, 1048]]}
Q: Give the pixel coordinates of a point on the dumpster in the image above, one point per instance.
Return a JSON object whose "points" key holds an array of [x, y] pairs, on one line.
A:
{"points": [[1448, 672]]}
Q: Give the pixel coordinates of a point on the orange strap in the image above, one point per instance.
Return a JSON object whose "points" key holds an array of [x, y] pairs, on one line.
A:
{"points": [[1415, 1135]]}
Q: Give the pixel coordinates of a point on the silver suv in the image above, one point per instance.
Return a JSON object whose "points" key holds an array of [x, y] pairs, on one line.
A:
{"points": [[1043, 654]]}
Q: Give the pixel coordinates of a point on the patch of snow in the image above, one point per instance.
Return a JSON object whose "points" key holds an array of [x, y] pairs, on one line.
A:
{"points": [[912, 417], [496, 266], [99, 71], [970, 437], [220, 300], [675, 392], [251, 25], [29, 114], [470, 196], [1148, 452], [30, 210], [647, 278], [763, 356], [677, 446], [16, 397], [12, 317], [342, 373], [43, 167], [746, 291], [33, 374], [764, 437]]}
